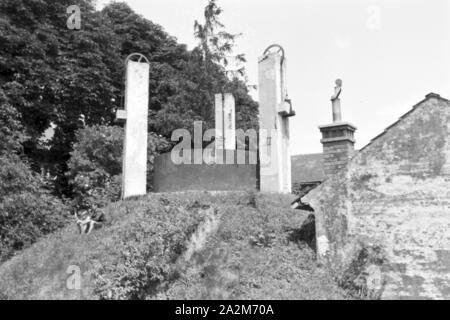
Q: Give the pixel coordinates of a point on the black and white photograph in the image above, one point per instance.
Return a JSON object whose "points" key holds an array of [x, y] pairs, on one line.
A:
{"points": [[241, 152]]}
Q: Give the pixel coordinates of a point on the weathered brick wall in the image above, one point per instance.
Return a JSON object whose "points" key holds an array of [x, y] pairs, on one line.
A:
{"points": [[393, 203], [336, 155]]}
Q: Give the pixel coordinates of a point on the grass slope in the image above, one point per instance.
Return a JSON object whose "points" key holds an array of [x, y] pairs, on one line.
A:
{"points": [[194, 245]]}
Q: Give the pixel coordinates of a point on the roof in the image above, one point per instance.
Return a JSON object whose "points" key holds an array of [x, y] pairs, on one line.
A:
{"points": [[307, 168], [427, 97]]}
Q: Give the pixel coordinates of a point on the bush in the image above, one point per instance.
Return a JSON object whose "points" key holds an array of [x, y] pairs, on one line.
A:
{"points": [[27, 210], [95, 165], [148, 250], [11, 130]]}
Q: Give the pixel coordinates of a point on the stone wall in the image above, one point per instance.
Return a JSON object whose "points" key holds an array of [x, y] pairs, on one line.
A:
{"points": [[387, 218], [170, 177]]}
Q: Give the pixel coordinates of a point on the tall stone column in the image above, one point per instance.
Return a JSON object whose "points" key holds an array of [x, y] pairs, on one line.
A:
{"points": [[274, 112], [220, 139], [135, 116], [229, 121], [225, 123]]}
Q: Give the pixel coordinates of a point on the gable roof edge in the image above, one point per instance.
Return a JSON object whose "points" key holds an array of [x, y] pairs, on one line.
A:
{"points": [[427, 97]]}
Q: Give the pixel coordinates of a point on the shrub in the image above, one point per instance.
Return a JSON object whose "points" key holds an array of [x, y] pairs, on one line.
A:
{"points": [[27, 210], [95, 165], [147, 251], [11, 130]]}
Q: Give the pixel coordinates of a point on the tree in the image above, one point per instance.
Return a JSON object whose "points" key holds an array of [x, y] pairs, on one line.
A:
{"points": [[217, 44], [11, 129], [54, 75], [216, 48]]}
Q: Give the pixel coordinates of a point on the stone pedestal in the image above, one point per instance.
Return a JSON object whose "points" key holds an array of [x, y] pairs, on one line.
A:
{"points": [[338, 146], [336, 105]]}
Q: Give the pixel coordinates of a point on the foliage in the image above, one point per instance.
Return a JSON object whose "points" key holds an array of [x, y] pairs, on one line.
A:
{"points": [[148, 252], [52, 75], [11, 129], [27, 210], [95, 165]]}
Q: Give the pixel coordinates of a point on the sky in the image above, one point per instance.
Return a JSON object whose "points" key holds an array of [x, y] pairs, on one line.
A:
{"points": [[388, 53]]}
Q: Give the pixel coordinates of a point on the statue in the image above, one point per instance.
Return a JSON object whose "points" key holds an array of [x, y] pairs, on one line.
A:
{"points": [[336, 102], [337, 90]]}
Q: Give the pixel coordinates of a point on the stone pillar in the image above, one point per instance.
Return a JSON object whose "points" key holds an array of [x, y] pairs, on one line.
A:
{"points": [[274, 112], [135, 116], [336, 104], [220, 138], [225, 123], [229, 121]]}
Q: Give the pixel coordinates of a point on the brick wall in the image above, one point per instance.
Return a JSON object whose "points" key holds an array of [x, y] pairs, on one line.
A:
{"points": [[338, 146], [336, 156], [392, 208]]}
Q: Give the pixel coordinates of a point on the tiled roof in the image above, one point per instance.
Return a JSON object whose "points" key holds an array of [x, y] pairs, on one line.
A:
{"points": [[307, 168]]}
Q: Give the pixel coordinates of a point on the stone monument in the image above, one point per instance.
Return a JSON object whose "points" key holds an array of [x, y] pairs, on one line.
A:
{"points": [[274, 111], [135, 116], [225, 123]]}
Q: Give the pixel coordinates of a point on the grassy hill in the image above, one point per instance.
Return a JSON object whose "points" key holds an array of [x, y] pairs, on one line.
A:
{"points": [[194, 245]]}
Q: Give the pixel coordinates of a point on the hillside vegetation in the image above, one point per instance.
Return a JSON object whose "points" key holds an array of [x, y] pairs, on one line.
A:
{"points": [[195, 245]]}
